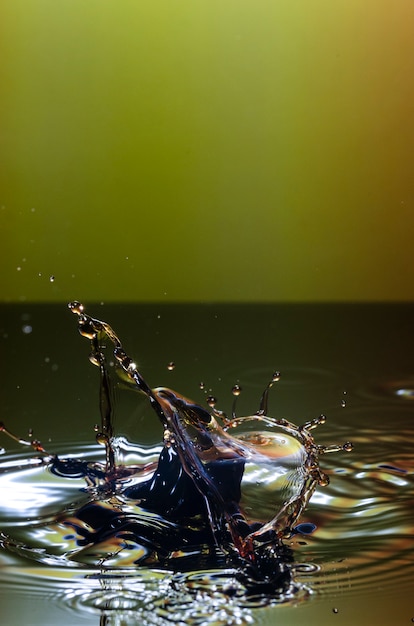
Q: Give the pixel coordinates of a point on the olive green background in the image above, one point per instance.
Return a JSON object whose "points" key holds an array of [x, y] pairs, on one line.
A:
{"points": [[206, 150]]}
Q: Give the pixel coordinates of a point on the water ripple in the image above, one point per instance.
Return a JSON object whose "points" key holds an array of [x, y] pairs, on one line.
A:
{"points": [[357, 535]]}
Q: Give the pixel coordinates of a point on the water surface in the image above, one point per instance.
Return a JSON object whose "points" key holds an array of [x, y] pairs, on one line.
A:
{"points": [[353, 551]]}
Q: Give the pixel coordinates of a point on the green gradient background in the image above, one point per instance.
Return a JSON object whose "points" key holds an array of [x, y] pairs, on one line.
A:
{"points": [[207, 150]]}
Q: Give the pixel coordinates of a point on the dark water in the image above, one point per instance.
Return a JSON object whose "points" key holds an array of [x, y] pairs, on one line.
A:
{"points": [[352, 554]]}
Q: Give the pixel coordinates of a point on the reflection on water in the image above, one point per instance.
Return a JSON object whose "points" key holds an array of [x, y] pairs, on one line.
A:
{"points": [[354, 539]]}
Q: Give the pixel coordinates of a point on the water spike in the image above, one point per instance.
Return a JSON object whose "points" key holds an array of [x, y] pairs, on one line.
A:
{"points": [[236, 391], [263, 408], [220, 414], [212, 401], [346, 447], [33, 443], [314, 423]]}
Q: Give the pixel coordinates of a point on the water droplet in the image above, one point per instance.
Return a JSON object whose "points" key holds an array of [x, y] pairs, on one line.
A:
{"points": [[275, 377], [343, 403], [96, 428], [27, 329], [102, 439], [52, 279], [335, 610], [94, 359], [76, 307], [323, 479], [348, 446], [87, 329], [202, 385], [18, 268], [236, 391], [171, 366], [211, 401]]}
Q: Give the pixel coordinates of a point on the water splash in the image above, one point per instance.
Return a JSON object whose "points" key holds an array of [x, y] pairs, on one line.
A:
{"points": [[219, 493]]}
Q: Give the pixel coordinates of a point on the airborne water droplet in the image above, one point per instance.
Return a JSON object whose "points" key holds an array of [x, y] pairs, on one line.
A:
{"points": [[171, 366], [52, 279], [276, 377]]}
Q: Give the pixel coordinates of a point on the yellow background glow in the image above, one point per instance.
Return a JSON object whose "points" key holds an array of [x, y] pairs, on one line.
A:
{"points": [[207, 150]]}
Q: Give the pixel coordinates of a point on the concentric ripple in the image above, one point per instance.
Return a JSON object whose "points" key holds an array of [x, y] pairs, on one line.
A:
{"points": [[357, 534], [364, 535]]}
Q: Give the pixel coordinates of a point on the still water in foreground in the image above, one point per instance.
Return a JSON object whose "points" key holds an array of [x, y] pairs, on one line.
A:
{"points": [[71, 549]]}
